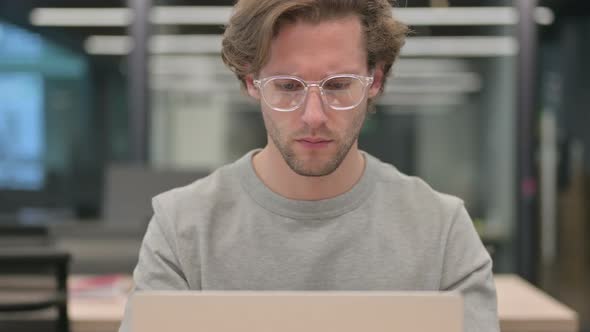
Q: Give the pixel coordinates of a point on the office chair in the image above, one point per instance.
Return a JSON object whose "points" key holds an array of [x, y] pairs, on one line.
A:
{"points": [[27, 260]]}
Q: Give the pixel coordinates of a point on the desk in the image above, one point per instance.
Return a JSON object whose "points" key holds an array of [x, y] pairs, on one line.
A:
{"points": [[97, 303], [525, 308], [521, 308]]}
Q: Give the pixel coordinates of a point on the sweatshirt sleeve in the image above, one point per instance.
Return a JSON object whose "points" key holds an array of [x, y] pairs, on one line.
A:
{"points": [[158, 267], [467, 268]]}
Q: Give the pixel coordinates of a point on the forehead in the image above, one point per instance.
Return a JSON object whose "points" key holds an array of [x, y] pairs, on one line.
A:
{"points": [[318, 49]]}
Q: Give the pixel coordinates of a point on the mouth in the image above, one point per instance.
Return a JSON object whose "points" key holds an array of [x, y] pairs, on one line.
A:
{"points": [[314, 142]]}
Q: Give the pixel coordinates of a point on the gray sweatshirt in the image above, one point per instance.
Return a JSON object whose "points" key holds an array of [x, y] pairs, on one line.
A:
{"points": [[228, 231]]}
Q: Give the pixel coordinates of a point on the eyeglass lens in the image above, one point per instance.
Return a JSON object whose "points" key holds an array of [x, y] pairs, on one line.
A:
{"points": [[339, 92]]}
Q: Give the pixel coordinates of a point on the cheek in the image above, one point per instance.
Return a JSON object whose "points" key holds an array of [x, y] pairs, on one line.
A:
{"points": [[357, 119], [268, 121], [275, 123]]}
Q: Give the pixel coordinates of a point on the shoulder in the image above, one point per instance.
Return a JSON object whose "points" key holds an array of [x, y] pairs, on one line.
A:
{"points": [[201, 192], [197, 201], [412, 196]]}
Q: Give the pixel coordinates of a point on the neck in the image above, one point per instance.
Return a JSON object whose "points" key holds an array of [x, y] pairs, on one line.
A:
{"points": [[276, 174]]}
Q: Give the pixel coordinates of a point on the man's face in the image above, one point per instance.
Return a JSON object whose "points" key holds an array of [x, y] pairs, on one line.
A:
{"points": [[315, 139]]}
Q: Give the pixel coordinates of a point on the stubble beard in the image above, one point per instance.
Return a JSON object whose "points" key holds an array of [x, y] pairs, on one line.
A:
{"points": [[305, 168]]}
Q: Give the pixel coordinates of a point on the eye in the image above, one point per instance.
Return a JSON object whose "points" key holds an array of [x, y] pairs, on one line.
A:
{"points": [[287, 85], [340, 83]]}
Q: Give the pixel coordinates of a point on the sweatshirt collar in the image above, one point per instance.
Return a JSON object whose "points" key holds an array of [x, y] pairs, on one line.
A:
{"points": [[300, 209]]}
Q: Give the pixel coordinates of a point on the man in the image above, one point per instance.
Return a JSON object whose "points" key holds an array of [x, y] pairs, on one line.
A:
{"points": [[310, 211]]}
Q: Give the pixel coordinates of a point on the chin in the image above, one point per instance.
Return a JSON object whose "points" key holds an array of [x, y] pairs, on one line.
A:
{"points": [[313, 167]]}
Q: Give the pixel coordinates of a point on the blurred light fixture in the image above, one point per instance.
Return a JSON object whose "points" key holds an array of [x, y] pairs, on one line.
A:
{"points": [[482, 46], [78, 17], [435, 82], [211, 44], [457, 15], [185, 44], [439, 101], [108, 45], [219, 15], [159, 44], [194, 84], [187, 65], [404, 65], [200, 83], [189, 15]]}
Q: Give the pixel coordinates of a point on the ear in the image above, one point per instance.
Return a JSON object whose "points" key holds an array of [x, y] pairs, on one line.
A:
{"points": [[378, 77], [251, 88]]}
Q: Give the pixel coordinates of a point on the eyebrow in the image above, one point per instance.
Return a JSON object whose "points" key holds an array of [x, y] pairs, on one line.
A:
{"points": [[355, 72]]}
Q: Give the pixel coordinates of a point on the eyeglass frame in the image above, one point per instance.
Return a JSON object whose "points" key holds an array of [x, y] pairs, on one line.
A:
{"points": [[365, 80]]}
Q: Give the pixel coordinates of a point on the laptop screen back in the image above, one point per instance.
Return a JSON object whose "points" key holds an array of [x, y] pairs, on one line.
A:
{"points": [[296, 311]]}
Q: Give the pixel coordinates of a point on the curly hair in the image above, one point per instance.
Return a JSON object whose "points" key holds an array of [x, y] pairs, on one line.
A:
{"points": [[254, 23]]}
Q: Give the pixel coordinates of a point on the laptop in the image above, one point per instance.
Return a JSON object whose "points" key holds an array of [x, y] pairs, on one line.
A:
{"points": [[282, 311]]}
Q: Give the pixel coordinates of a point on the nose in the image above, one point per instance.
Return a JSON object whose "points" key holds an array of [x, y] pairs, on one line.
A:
{"points": [[313, 109]]}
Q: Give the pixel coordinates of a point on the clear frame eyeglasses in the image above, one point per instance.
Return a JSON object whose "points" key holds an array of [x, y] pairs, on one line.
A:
{"points": [[286, 93]]}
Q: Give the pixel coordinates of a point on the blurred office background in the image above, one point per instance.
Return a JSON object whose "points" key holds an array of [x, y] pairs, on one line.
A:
{"points": [[104, 103]]}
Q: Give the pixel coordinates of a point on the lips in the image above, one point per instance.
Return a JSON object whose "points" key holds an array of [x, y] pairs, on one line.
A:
{"points": [[314, 142]]}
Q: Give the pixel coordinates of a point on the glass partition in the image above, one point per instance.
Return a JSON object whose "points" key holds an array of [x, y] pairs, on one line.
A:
{"points": [[62, 112]]}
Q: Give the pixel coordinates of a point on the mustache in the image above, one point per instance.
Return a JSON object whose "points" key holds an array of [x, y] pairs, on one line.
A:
{"points": [[321, 132]]}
